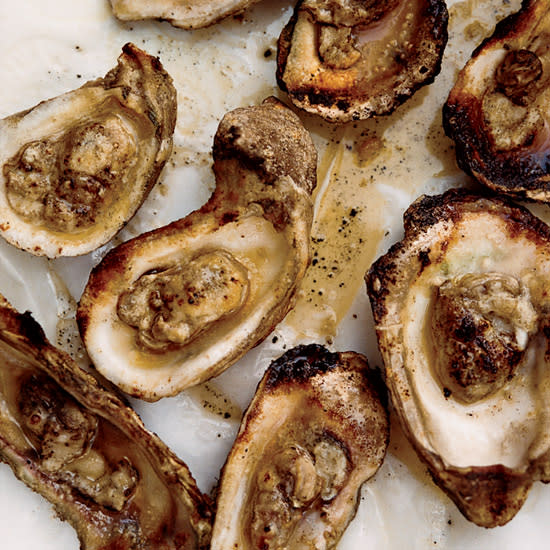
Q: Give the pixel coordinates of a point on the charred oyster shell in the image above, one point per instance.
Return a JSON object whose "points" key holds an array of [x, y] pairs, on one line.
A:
{"points": [[75, 168], [186, 14], [352, 59], [461, 314], [497, 111], [178, 305], [314, 432], [88, 453]]}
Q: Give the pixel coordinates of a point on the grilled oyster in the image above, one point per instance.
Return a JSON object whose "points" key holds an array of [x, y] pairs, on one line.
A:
{"points": [[176, 306], [314, 432], [497, 112], [462, 317], [88, 453], [186, 14], [75, 168], [352, 59]]}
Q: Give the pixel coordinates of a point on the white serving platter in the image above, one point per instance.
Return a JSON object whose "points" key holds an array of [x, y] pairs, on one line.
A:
{"points": [[376, 167]]}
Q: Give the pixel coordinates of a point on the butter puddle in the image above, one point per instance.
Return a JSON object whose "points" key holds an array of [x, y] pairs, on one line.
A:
{"points": [[345, 237]]}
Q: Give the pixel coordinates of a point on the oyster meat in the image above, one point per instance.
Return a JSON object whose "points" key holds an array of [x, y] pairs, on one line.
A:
{"points": [[75, 168], [352, 59], [186, 14], [461, 310], [88, 453], [497, 111], [176, 306], [314, 432]]}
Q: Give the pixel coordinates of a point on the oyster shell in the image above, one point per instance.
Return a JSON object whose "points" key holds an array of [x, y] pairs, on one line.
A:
{"points": [[176, 306], [314, 432], [497, 111], [461, 313], [75, 168], [186, 14], [352, 59], [88, 453]]}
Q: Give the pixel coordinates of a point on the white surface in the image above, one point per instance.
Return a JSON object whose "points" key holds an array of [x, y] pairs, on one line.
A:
{"points": [[51, 47]]}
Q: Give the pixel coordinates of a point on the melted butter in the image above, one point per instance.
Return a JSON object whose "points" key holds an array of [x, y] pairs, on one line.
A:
{"points": [[370, 171], [345, 237], [215, 401]]}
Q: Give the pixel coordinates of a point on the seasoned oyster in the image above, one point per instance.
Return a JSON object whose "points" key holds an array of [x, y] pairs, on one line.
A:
{"points": [[88, 453], [178, 305], [461, 312], [352, 59], [75, 168], [186, 14], [314, 433], [497, 112]]}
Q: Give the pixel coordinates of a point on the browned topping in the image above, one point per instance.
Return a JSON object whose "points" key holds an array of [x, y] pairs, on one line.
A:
{"points": [[197, 291], [337, 47], [58, 427], [66, 183], [481, 332], [300, 476], [509, 115], [62, 433], [481, 326], [172, 307], [509, 124], [517, 74], [82, 163], [88, 453]]}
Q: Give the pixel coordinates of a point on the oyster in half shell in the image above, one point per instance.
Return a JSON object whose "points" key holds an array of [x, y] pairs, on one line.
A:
{"points": [[498, 110], [88, 453], [461, 309], [176, 306], [74, 169], [186, 14], [314, 432], [352, 59]]}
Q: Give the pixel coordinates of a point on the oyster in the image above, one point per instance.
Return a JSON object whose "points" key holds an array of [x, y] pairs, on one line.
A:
{"points": [[313, 434], [352, 59], [186, 14], [497, 111], [461, 310], [88, 453], [176, 306], [75, 168]]}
